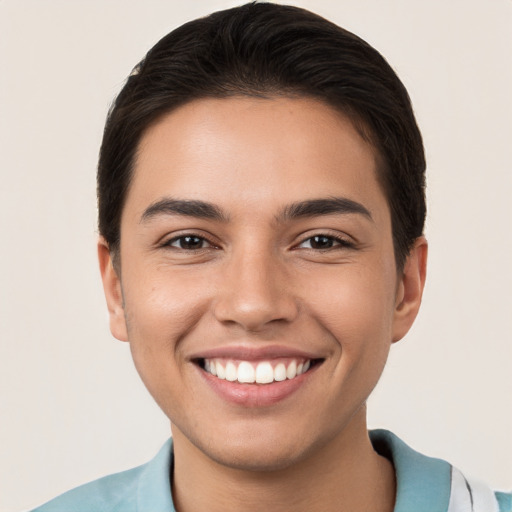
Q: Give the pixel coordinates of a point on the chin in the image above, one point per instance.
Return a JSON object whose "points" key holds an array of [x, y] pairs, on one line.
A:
{"points": [[256, 458], [260, 447]]}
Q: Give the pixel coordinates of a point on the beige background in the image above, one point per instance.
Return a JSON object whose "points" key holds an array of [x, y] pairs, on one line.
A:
{"points": [[72, 407]]}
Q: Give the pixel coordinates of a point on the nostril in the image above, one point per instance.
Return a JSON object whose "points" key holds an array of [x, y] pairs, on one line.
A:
{"points": [[254, 313]]}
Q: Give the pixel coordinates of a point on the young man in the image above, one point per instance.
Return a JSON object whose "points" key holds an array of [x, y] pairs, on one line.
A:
{"points": [[261, 211]]}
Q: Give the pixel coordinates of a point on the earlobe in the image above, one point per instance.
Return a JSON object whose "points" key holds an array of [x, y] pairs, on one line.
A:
{"points": [[113, 292], [410, 289]]}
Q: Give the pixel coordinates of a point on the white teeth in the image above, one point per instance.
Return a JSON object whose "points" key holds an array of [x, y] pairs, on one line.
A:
{"points": [[246, 372], [261, 373], [264, 373], [291, 371], [231, 373], [280, 372], [220, 371]]}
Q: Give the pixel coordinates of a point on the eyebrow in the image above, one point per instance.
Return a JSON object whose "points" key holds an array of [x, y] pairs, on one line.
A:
{"points": [[185, 207], [300, 209], [327, 206]]}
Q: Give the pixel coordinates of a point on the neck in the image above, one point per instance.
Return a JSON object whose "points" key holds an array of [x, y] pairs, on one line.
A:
{"points": [[344, 475]]}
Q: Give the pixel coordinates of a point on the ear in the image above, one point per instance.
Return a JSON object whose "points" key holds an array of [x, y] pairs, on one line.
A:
{"points": [[410, 289], [113, 292]]}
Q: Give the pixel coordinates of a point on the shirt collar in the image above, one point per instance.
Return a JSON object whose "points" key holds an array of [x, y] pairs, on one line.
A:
{"points": [[423, 483], [154, 486]]}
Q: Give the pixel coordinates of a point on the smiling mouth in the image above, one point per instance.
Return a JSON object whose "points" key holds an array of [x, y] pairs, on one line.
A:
{"points": [[257, 372]]}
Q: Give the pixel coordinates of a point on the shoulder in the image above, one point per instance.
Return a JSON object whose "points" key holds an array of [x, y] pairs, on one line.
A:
{"points": [[426, 484], [505, 501], [470, 494], [145, 487], [104, 494]]}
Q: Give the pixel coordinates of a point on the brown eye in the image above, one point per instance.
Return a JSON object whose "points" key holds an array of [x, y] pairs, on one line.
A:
{"points": [[321, 242], [188, 243], [324, 242]]}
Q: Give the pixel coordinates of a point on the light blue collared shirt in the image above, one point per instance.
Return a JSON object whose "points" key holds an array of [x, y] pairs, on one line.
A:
{"points": [[424, 484]]}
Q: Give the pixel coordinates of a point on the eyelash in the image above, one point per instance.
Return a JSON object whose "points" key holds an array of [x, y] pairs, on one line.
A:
{"points": [[183, 237], [336, 243]]}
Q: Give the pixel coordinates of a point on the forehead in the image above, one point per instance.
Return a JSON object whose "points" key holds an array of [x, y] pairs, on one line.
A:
{"points": [[253, 152]]}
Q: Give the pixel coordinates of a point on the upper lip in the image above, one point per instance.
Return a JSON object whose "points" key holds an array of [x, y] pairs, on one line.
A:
{"points": [[246, 353]]}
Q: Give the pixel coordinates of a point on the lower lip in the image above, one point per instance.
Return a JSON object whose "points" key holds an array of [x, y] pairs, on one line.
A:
{"points": [[256, 395]]}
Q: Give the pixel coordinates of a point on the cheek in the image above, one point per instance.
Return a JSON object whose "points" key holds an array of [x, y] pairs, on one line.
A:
{"points": [[355, 304], [356, 309], [161, 311], [162, 305]]}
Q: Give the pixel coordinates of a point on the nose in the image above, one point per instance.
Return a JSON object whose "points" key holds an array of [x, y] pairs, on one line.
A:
{"points": [[255, 292]]}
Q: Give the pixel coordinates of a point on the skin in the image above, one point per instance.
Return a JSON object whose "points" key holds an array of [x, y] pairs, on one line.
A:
{"points": [[256, 278]]}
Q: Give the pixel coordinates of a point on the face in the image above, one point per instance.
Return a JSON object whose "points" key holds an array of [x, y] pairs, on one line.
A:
{"points": [[257, 285]]}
